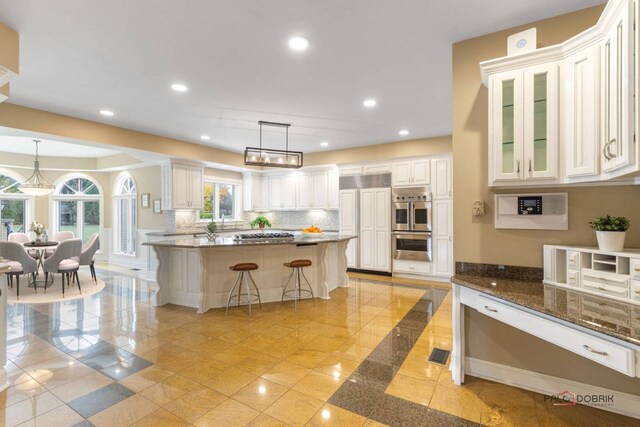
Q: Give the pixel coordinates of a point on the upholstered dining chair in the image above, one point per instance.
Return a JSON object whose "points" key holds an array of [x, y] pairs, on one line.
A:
{"points": [[88, 255], [23, 238], [20, 262], [60, 236], [62, 261]]}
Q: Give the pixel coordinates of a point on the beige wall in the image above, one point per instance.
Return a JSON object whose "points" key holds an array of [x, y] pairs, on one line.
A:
{"points": [[476, 239], [9, 49], [221, 173], [488, 339], [416, 147], [147, 181]]}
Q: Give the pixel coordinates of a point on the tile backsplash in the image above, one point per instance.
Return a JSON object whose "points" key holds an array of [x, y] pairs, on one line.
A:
{"points": [[185, 221]]}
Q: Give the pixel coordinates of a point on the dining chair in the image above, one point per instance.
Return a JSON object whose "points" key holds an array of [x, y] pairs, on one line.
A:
{"points": [[20, 262], [60, 236], [88, 254], [61, 261], [23, 238]]}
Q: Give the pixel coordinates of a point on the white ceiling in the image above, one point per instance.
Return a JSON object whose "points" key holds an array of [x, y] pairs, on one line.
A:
{"points": [[25, 145], [78, 57]]}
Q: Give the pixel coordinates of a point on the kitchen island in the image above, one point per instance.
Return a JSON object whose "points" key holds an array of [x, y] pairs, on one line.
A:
{"points": [[194, 272]]}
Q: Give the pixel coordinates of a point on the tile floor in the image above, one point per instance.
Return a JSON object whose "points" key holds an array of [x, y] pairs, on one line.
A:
{"points": [[357, 359]]}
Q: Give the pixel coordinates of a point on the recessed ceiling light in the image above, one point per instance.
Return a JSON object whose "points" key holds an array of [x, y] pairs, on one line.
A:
{"points": [[179, 87], [298, 44], [324, 144], [403, 132], [106, 113], [369, 103], [205, 137]]}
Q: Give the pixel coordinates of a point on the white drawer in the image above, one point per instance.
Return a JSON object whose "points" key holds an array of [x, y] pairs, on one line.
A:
{"points": [[635, 290], [634, 266], [573, 278], [599, 350], [411, 267], [605, 283], [573, 260]]}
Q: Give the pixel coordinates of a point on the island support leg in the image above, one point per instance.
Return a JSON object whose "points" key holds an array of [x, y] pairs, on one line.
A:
{"points": [[161, 296], [343, 277], [458, 351], [324, 271], [203, 305]]}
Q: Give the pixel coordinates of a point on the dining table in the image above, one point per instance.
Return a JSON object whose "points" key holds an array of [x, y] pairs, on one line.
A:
{"points": [[41, 248]]}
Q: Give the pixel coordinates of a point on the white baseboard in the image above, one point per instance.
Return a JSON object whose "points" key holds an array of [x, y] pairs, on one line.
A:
{"points": [[128, 261], [623, 403]]}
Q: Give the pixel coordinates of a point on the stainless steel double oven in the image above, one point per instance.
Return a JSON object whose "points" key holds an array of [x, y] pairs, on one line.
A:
{"points": [[411, 216]]}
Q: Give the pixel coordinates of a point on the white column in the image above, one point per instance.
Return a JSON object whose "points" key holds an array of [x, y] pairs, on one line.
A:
{"points": [[457, 352]]}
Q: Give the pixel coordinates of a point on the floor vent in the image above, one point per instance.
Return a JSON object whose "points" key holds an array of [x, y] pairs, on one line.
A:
{"points": [[439, 355]]}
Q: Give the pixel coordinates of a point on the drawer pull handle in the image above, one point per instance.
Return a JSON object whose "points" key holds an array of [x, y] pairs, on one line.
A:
{"points": [[601, 288], [637, 291], [601, 353], [493, 310], [637, 269]]}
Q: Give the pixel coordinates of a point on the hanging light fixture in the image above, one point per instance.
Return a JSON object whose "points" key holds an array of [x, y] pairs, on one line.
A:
{"points": [[36, 185], [258, 156]]}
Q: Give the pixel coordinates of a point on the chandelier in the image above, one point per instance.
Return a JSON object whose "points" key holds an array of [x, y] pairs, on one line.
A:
{"points": [[268, 157], [36, 185]]}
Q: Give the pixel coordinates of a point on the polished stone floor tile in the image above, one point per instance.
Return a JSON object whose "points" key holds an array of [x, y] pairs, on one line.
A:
{"points": [[294, 408], [100, 399], [125, 412], [195, 403], [330, 415], [228, 413], [260, 394]]}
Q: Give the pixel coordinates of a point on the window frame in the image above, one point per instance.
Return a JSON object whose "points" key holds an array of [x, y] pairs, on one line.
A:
{"points": [[132, 199], [56, 197], [29, 208], [237, 199]]}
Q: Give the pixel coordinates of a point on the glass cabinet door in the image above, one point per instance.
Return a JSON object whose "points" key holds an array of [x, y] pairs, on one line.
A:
{"points": [[506, 128], [541, 121]]}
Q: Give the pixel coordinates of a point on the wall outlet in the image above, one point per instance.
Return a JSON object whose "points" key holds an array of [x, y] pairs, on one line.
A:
{"points": [[478, 208]]}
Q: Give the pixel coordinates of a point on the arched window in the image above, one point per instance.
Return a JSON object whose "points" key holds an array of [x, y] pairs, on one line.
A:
{"points": [[77, 206], [14, 206], [125, 215]]}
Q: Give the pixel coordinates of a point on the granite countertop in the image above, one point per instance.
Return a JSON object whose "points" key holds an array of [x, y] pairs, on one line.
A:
{"points": [[201, 231], [617, 319], [203, 242]]}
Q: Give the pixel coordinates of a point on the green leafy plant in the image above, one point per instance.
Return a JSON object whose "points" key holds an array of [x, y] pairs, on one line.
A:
{"points": [[610, 223], [212, 227], [261, 220]]}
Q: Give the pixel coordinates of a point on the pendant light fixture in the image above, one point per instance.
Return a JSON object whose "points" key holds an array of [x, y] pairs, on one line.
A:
{"points": [[268, 157], [36, 185]]}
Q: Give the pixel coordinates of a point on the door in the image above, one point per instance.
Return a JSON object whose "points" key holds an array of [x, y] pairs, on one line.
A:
{"points": [[541, 121], [421, 172], [506, 130], [180, 186], [581, 110], [367, 229], [382, 216], [349, 223], [441, 178], [442, 238], [617, 145]]}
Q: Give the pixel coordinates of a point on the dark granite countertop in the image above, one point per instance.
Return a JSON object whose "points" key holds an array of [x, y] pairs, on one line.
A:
{"points": [[617, 319], [225, 230], [220, 241]]}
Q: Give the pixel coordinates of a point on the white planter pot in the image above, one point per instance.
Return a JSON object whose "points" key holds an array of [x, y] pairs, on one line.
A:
{"points": [[611, 241]]}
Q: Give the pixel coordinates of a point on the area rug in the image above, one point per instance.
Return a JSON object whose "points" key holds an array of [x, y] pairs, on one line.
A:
{"points": [[54, 291]]}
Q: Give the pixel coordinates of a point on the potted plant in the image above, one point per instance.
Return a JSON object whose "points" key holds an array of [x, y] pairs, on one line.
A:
{"points": [[211, 231], [261, 221], [610, 231]]}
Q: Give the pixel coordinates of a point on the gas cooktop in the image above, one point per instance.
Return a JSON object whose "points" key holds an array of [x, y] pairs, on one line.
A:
{"points": [[263, 236]]}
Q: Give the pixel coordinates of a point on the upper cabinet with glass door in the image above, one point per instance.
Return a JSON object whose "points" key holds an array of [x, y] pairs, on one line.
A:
{"points": [[523, 125]]}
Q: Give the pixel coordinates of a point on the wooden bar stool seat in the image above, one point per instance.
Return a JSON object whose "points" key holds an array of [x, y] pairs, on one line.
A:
{"points": [[244, 270], [297, 269]]}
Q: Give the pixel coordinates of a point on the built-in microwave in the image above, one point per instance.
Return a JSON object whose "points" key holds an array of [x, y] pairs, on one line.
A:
{"points": [[412, 245]]}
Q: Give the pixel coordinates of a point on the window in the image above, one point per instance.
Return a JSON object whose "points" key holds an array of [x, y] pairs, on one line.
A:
{"points": [[13, 207], [77, 207], [125, 201], [220, 201]]}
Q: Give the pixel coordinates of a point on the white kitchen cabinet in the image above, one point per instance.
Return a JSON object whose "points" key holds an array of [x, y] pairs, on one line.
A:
{"points": [[376, 168], [523, 125], [375, 229], [312, 190], [441, 181], [333, 188], [282, 192], [617, 90], [581, 112], [411, 172], [442, 238], [182, 186], [349, 223], [255, 191]]}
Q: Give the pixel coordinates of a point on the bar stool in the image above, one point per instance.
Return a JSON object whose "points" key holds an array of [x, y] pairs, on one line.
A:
{"points": [[296, 267], [244, 269]]}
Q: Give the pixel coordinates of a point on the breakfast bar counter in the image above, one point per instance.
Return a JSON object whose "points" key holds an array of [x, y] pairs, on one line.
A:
{"points": [[194, 272]]}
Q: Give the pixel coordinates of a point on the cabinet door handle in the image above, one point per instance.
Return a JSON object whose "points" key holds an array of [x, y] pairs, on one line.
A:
{"points": [[517, 166], [530, 168], [601, 288], [638, 291], [493, 310], [637, 269], [601, 353]]}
